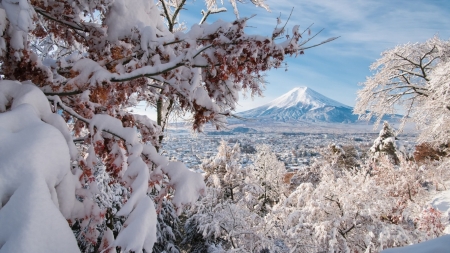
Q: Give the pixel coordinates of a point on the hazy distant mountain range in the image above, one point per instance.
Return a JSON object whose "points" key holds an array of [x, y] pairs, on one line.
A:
{"points": [[302, 104]]}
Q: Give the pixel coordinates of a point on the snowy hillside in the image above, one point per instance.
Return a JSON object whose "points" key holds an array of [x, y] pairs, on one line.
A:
{"points": [[303, 104]]}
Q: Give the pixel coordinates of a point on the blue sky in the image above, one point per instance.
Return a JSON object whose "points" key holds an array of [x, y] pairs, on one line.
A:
{"points": [[366, 29]]}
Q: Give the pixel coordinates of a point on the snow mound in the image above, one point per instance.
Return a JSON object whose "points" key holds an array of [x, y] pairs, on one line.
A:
{"points": [[34, 161], [438, 245], [441, 202]]}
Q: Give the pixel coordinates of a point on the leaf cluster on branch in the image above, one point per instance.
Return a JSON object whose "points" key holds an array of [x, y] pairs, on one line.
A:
{"points": [[80, 65]]}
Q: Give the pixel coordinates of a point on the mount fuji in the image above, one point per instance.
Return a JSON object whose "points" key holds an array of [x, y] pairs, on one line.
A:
{"points": [[302, 104]]}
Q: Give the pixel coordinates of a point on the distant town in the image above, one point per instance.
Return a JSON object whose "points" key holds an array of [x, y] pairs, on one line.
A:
{"points": [[297, 150]]}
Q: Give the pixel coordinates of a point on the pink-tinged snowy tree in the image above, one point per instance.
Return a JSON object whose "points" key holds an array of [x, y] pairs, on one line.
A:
{"points": [[70, 150], [362, 210], [435, 113], [415, 77]]}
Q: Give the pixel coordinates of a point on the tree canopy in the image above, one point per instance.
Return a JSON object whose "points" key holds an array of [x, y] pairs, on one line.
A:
{"points": [[71, 70], [412, 78]]}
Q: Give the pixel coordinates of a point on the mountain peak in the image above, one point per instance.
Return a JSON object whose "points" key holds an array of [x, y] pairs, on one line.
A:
{"points": [[303, 96], [302, 103], [300, 88]]}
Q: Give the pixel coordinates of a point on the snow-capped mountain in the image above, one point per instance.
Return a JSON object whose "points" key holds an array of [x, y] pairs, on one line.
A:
{"points": [[302, 104]]}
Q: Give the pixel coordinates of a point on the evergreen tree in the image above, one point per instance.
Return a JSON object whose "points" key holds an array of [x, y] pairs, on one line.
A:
{"points": [[385, 144]]}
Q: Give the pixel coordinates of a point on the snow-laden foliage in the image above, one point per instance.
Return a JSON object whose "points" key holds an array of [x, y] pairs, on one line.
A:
{"points": [[101, 56], [30, 126], [224, 222], [77, 66], [437, 120], [368, 208], [224, 170], [364, 209], [37, 188], [347, 213], [264, 182], [415, 77]]}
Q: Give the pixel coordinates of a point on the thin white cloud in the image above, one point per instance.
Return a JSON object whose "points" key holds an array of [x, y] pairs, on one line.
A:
{"points": [[366, 27], [379, 24]]}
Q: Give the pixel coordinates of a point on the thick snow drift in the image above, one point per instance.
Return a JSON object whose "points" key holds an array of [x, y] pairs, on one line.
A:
{"points": [[37, 188], [438, 245]]}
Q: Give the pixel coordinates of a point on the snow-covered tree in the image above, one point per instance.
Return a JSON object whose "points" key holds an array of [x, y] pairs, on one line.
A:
{"points": [[72, 69], [364, 210], [264, 183], [45, 184], [224, 171], [414, 76], [434, 116], [224, 222], [216, 221], [342, 156], [385, 144]]}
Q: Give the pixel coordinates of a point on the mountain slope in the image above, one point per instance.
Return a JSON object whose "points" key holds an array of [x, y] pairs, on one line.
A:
{"points": [[302, 104]]}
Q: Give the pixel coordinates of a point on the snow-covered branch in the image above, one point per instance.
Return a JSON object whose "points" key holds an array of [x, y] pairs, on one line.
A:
{"points": [[89, 62], [406, 76]]}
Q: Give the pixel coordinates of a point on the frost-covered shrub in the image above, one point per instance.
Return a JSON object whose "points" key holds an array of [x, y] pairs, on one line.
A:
{"points": [[426, 152], [347, 156], [356, 210]]}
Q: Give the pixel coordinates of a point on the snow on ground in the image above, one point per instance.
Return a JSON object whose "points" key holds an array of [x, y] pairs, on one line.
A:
{"points": [[440, 201], [438, 245]]}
